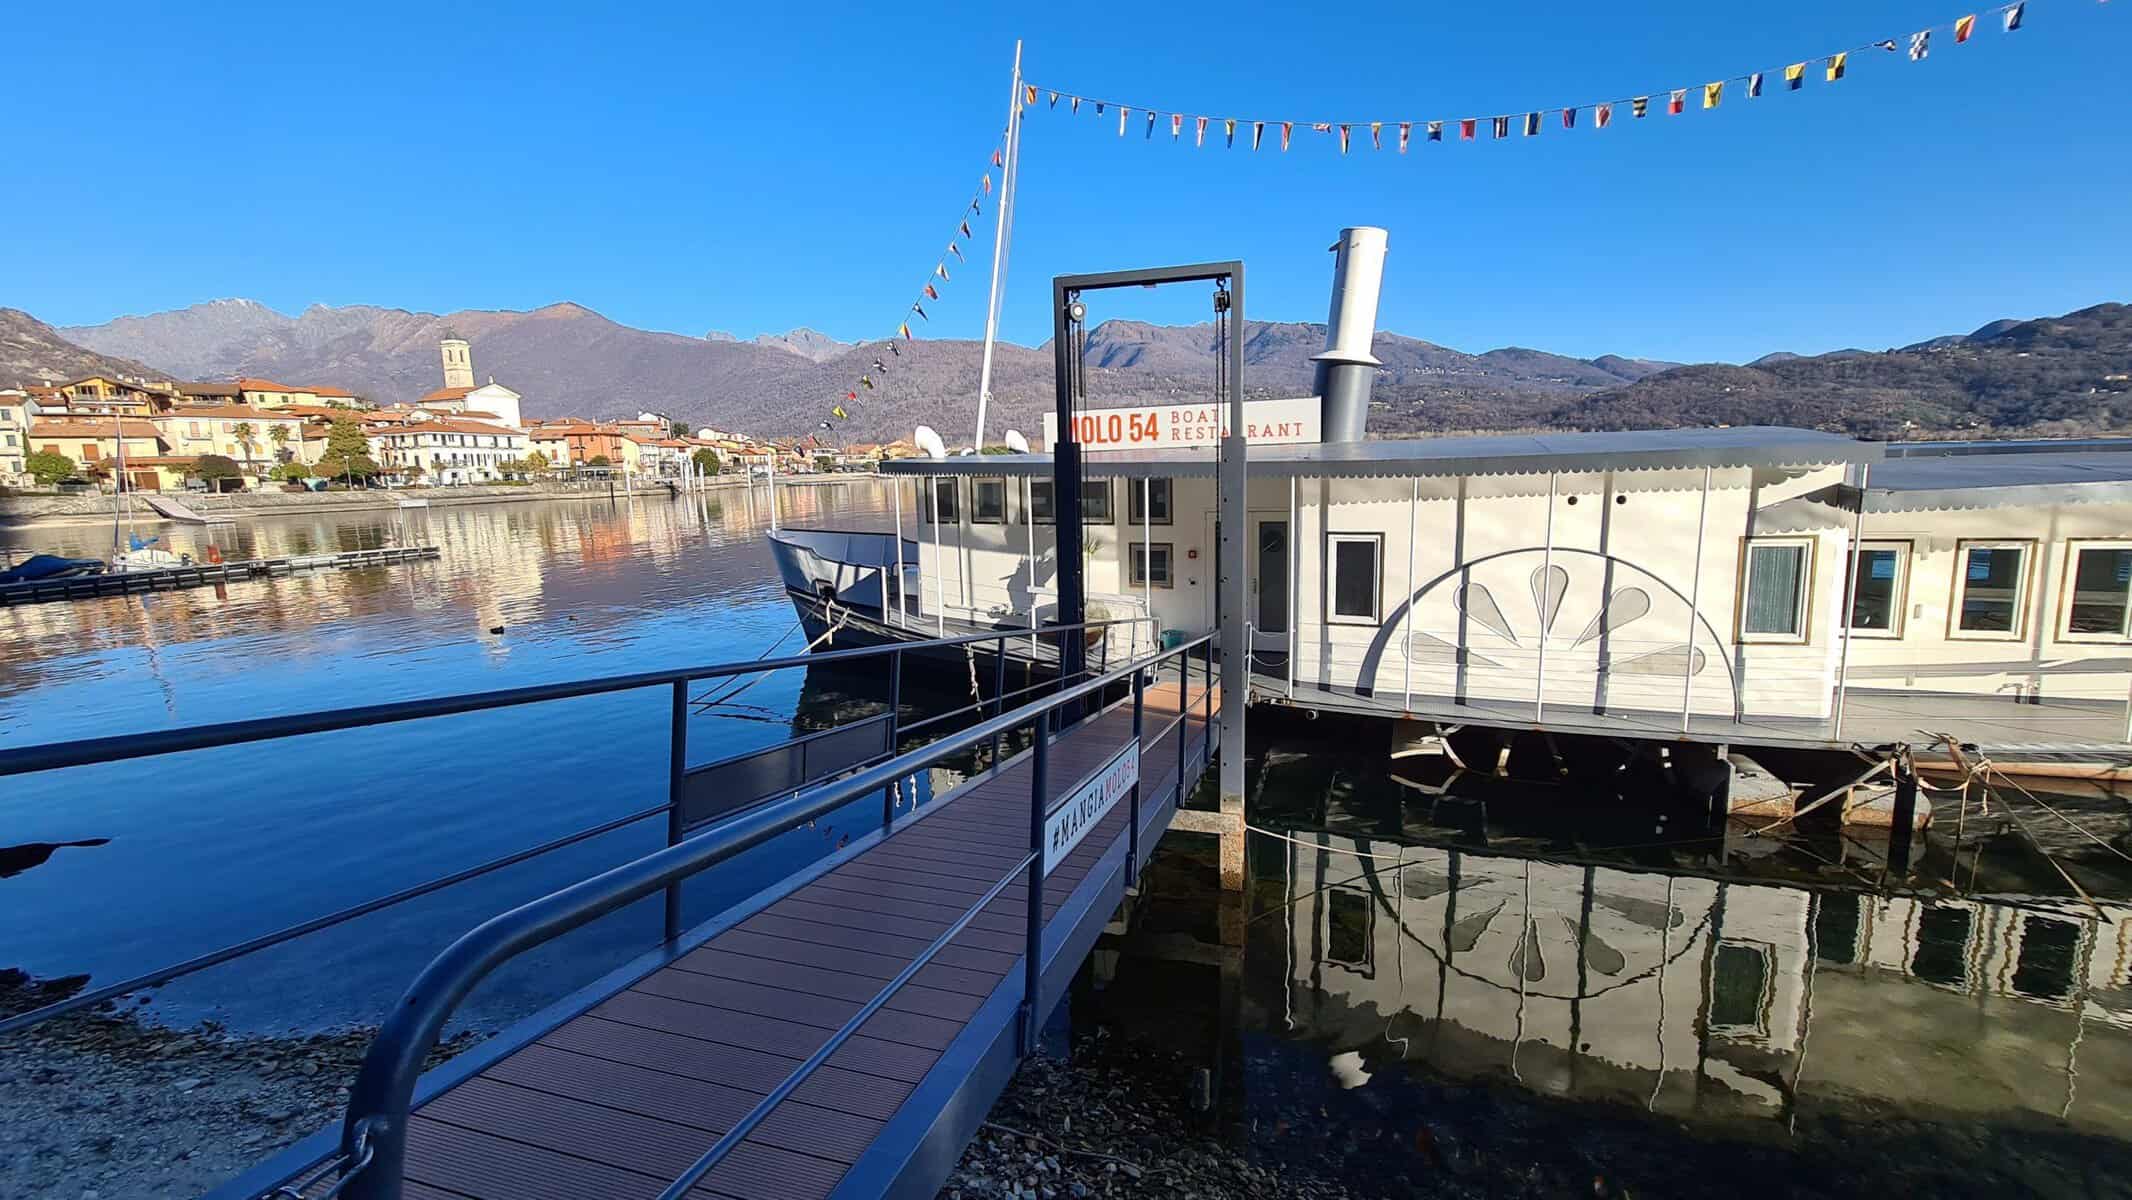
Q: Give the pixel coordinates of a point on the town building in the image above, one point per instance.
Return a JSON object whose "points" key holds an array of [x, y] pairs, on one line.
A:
{"points": [[95, 445], [448, 449], [256, 439], [14, 432]]}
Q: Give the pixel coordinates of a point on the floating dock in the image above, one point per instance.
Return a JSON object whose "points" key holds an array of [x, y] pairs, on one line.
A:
{"points": [[119, 583]]}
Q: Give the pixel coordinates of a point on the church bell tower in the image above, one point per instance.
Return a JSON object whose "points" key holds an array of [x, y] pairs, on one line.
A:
{"points": [[458, 361]]}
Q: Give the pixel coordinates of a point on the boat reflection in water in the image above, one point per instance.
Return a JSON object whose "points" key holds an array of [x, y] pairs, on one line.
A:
{"points": [[1690, 995]]}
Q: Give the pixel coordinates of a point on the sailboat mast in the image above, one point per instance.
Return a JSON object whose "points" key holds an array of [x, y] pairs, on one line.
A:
{"points": [[1001, 220], [118, 483]]}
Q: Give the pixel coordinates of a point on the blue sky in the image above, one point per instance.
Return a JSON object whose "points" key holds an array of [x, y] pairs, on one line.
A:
{"points": [[750, 169]]}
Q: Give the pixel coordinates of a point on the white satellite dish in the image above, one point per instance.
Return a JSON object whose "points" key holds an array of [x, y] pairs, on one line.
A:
{"points": [[929, 442], [1016, 442]]}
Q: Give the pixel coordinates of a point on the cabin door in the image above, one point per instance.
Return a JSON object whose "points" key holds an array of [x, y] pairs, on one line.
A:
{"points": [[1269, 588]]}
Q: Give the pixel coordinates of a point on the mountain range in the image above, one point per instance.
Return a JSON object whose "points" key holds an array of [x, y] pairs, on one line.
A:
{"points": [[2063, 374]]}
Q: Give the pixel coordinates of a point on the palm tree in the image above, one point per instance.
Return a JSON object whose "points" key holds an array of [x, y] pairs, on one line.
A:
{"points": [[244, 433], [279, 435]]}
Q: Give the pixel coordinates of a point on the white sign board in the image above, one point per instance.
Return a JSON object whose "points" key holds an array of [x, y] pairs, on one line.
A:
{"points": [[1266, 423], [1071, 821]]}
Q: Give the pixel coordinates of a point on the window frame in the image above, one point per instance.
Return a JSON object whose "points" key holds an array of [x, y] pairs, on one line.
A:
{"points": [[2024, 593], [932, 500], [1809, 547], [1899, 612], [1139, 552], [1029, 516], [1169, 501], [1110, 502], [1331, 577], [2064, 627], [977, 486]]}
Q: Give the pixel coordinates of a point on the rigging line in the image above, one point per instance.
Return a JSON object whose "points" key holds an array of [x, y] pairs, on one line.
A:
{"points": [[827, 634], [767, 650], [2075, 825], [2053, 861]]}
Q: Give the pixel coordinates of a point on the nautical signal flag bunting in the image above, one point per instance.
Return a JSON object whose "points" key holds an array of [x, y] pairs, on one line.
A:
{"points": [[1832, 67]]}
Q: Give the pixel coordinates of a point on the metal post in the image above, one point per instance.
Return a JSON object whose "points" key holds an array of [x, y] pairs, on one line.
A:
{"points": [[1233, 486], [1147, 543], [895, 717], [1029, 515], [1905, 812], [1295, 564], [1406, 604], [1033, 950], [1002, 211], [1850, 597], [940, 590], [676, 783], [999, 692], [1132, 828], [1184, 712], [1547, 616], [903, 601], [1695, 593]]}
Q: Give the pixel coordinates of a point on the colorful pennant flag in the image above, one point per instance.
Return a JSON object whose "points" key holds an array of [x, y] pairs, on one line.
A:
{"points": [[1199, 131], [1376, 135], [1406, 132], [1795, 76], [1287, 128], [920, 310], [931, 293], [1074, 106], [1054, 99], [1228, 133], [1964, 27], [2013, 16], [880, 366], [986, 181], [1258, 133], [1532, 124], [1920, 45], [1640, 107], [1887, 44], [1435, 131], [1502, 127], [1677, 102], [1465, 130], [1713, 94], [1149, 136], [905, 327], [1176, 125], [1754, 85], [941, 269], [867, 382], [1569, 118], [1835, 66], [839, 413], [997, 161], [1603, 116], [1343, 139], [1030, 94], [1123, 112]]}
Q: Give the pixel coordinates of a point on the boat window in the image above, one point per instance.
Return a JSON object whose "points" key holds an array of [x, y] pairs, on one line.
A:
{"points": [[1877, 596], [1095, 502], [946, 506], [1774, 607], [1355, 558], [1041, 509], [1160, 554], [1157, 494], [2101, 603], [1740, 988], [1991, 588], [988, 501]]}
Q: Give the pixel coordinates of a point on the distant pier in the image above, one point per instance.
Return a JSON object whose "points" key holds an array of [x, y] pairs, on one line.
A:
{"points": [[117, 583]]}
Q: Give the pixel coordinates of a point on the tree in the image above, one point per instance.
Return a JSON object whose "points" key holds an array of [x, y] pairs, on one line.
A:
{"points": [[412, 470], [49, 468], [245, 434], [279, 435], [347, 455], [212, 469], [598, 460], [290, 472], [825, 463], [995, 449], [707, 460], [536, 461], [683, 428]]}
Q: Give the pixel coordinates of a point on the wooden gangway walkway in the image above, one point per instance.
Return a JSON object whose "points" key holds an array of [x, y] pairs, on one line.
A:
{"points": [[618, 1091]]}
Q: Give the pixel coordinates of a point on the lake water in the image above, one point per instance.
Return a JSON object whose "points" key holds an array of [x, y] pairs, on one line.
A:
{"points": [[1530, 990], [204, 849]]}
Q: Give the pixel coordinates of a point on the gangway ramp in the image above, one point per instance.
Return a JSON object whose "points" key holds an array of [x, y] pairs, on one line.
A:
{"points": [[178, 510]]}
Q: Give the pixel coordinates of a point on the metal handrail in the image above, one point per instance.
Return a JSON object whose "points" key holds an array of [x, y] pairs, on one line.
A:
{"points": [[88, 751], [383, 1093], [61, 755]]}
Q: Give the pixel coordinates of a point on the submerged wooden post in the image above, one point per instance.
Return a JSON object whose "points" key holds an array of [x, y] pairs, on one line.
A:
{"points": [[1905, 811]]}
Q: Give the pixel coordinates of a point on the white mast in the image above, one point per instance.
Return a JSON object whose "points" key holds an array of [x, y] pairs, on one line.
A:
{"points": [[1001, 220]]}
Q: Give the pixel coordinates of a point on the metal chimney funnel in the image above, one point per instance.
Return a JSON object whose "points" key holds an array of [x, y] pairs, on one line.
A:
{"points": [[1346, 368]]}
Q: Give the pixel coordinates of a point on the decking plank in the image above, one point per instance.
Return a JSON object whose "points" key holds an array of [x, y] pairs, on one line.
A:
{"points": [[618, 1100]]}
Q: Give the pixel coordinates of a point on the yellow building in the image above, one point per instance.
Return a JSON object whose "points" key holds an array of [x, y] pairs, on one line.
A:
{"points": [[243, 434], [102, 395], [93, 445]]}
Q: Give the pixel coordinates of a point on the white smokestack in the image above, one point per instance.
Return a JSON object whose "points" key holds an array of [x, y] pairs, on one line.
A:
{"points": [[1347, 367]]}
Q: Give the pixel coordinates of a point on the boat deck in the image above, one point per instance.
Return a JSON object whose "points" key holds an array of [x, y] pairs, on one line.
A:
{"points": [[2008, 730], [627, 1093]]}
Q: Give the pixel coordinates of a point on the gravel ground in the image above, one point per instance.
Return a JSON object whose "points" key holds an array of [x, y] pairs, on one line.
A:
{"points": [[102, 1106], [1097, 1127]]}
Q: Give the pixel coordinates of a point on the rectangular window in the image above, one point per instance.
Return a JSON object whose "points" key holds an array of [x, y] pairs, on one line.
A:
{"points": [[1877, 596], [89, 452], [946, 506], [988, 501], [2101, 601], [1095, 503], [1160, 554], [1146, 496], [1354, 576], [1991, 588], [1041, 510], [1773, 607]]}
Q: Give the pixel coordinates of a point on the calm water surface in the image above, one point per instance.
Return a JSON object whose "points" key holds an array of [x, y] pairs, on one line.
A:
{"points": [[203, 849]]}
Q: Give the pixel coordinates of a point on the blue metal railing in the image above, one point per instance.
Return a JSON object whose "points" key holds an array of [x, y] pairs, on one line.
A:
{"points": [[91, 751], [374, 1132]]}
